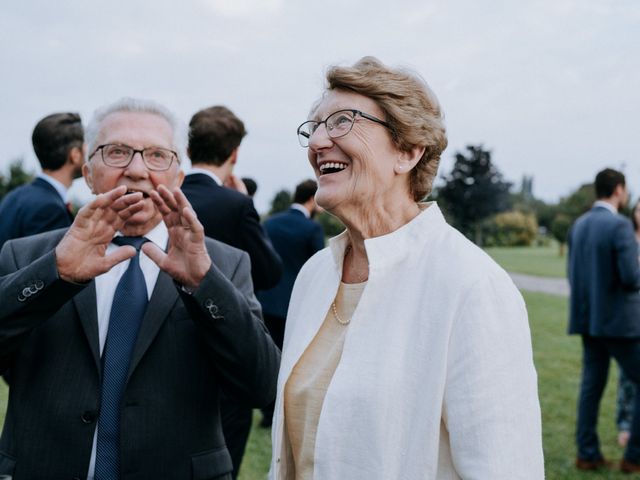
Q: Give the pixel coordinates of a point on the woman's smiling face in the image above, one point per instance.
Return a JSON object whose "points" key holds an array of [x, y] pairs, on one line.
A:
{"points": [[358, 166]]}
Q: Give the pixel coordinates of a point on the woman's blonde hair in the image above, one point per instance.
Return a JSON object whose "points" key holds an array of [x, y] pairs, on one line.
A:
{"points": [[411, 109]]}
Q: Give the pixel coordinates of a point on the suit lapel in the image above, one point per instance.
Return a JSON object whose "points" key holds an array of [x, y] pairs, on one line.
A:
{"points": [[85, 303], [162, 300]]}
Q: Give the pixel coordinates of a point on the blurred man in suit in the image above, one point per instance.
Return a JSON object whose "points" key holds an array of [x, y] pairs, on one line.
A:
{"points": [[227, 214], [119, 334], [296, 237], [220, 200], [42, 205], [604, 275]]}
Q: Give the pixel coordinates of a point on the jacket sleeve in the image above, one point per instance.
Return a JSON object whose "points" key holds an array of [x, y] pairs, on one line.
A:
{"points": [[491, 407], [626, 254], [229, 316], [29, 295], [266, 265]]}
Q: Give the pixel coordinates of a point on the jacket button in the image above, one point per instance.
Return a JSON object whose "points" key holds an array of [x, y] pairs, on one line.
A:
{"points": [[89, 416]]}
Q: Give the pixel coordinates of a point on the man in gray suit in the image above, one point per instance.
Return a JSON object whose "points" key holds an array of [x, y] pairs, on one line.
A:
{"points": [[605, 309], [116, 355]]}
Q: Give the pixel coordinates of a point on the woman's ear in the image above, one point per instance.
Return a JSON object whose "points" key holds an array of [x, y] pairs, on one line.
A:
{"points": [[407, 160]]}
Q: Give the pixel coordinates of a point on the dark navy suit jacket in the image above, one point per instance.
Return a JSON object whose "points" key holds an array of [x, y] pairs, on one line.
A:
{"points": [[296, 238], [230, 217], [604, 275], [33, 208]]}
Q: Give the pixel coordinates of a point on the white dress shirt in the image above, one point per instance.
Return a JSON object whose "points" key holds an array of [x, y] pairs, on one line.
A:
{"points": [[300, 208], [607, 205]]}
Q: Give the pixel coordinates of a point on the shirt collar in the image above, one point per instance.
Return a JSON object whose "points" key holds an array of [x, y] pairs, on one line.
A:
{"points": [[607, 205], [158, 235], [60, 188], [207, 173], [300, 208]]}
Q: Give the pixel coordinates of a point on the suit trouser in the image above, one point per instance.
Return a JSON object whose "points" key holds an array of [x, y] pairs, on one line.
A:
{"points": [[597, 353], [275, 325], [236, 426]]}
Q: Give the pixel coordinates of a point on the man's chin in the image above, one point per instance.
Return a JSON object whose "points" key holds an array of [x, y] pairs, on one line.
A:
{"points": [[140, 224]]}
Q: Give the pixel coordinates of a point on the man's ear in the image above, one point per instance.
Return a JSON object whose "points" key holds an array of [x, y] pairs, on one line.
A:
{"points": [[76, 156], [233, 158], [86, 173]]}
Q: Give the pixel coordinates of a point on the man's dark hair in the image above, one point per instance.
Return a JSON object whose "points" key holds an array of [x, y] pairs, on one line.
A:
{"points": [[304, 191], [54, 136], [214, 133], [606, 182], [251, 185]]}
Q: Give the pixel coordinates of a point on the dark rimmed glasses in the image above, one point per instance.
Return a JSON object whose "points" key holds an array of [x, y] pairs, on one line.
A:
{"points": [[338, 124], [156, 159]]}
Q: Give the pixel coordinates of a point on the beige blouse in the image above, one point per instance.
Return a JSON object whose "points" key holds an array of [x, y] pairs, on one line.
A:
{"points": [[307, 386]]}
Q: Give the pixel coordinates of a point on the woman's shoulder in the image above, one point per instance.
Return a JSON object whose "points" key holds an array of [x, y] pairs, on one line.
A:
{"points": [[462, 260]]}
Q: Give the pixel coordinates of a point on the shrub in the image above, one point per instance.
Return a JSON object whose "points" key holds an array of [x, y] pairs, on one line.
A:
{"points": [[510, 229]]}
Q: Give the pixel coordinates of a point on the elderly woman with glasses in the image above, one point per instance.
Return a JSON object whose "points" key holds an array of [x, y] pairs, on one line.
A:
{"points": [[407, 352]]}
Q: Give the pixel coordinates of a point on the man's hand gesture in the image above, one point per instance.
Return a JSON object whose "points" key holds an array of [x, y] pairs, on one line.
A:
{"points": [[81, 254], [187, 260]]}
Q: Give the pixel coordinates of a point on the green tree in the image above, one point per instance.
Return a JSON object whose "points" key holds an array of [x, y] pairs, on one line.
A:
{"points": [[17, 176], [281, 201], [568, 210], [473, 191], [560, 230]]}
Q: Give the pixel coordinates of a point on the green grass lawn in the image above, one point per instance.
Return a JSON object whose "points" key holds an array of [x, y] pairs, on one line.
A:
{"points": [[557, 358], [541, 261]]}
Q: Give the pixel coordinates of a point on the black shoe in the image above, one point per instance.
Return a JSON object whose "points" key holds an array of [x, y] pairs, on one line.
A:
{"points": [[629, 467], [582, 464]]}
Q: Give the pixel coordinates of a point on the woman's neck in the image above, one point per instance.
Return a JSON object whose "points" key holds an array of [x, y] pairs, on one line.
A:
{"points": [[370, 223]]}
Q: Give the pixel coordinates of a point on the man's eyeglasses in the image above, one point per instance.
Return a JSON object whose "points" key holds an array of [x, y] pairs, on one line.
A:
{"points": [[338, 124], [120, 156]]}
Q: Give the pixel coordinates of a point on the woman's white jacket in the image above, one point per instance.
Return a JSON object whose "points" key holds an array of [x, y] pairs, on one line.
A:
{"points": [[436, 378]]}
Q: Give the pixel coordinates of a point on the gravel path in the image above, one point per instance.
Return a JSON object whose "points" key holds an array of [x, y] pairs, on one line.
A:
{"points": [[554, 286]]}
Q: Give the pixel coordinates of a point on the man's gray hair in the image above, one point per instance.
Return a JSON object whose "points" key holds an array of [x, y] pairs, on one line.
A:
{"points": [[128, 104]]}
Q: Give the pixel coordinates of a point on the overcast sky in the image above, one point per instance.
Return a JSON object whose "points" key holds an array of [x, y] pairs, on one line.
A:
{"points": [[551, 87]]}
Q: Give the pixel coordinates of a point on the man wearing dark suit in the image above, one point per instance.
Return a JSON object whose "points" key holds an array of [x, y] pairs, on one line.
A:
{"points": [[227, 213], [58, 141], [116, 356], [604, 276], [220, 198], [296, 237]]}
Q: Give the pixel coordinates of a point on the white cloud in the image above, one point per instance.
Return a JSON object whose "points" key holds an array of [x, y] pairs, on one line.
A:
{"points": [[243, 8]]}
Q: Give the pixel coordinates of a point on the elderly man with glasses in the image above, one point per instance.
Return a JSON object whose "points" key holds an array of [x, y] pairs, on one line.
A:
{"points": [[118, 334]]}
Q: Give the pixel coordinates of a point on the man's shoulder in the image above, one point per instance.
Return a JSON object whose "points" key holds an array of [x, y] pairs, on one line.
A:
{"points": [[601, 216], [219, 250], [201, 185]]}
